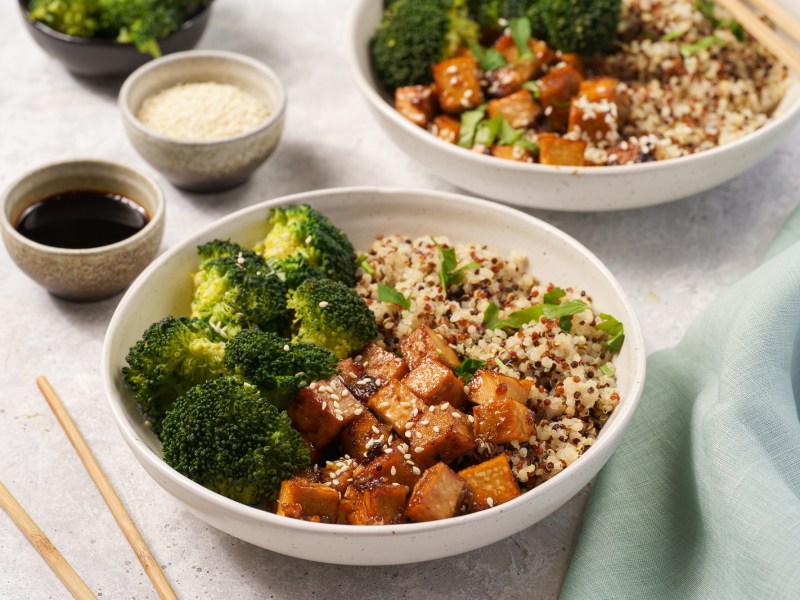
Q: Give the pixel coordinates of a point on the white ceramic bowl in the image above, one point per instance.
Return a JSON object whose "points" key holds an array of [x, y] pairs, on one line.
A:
{"points": [[560, 188], [165, 288]]}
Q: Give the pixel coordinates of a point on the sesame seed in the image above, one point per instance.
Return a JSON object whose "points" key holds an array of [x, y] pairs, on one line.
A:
{"points": [[308, 240], [419, 449], [376, 430], [490, 501], [456, 414], [394, 470], [286, 348], [436, 428], [388, 450], [323, 304], [324, 405], [416, 470], [339, 417]]}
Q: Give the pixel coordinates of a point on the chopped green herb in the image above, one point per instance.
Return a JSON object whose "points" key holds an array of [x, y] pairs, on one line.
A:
{"points": [[468, 367], [554, 296], [521, 32], [707, 8], [490, 316], [533, 88], [607, 370], [702, 44], [469, 126], [362, 263], [566, 309], [488, 130], [565, 323], [503, 367], [507, 135], [614, 329], [449, 271], [527, 145], [489, 58], [387, 293], [515, 320], [673, 35]]}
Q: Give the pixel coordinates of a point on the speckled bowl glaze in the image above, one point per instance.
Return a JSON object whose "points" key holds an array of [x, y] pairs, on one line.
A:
{"points": [[205, 166], [83, 274]]}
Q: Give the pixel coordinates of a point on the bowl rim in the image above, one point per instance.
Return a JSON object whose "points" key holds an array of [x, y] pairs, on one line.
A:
{"points": [[156, 217], [155, 464], [103, 42], [276, 116], [377, 101]]}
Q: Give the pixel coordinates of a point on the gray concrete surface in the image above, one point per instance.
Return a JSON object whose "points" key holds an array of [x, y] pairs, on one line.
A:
{"points": [[673, 261]]}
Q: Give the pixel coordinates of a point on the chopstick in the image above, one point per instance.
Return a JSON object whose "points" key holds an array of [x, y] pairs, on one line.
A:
{"points": [[44, 546], [107, 492], [764, 34], [778, 14]]}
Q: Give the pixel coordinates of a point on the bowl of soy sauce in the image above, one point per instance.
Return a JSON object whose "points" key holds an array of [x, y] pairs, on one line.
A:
{"points": [[83, 229]]}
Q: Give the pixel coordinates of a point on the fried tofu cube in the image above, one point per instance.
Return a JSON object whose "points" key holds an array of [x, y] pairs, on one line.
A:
{"points": [[382, 365], [446, 128], [503, 421], [541, 52], [490, 483], [508, 79], [424, 343], [390, 468], [594, 120], [514, 153], [575, 61], [556, 89], [487, 386], [598, 89], [396, 405], [442, 433], [435, 383], [356, 380], [437, 495], [417, 103], [338, 474], [301, 499], [364, 437], [555, 150], [375, 504], [322, 409], [519, 109], [458, 84]]}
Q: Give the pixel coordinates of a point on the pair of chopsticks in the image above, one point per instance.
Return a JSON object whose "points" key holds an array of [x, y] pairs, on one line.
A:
{"points": [[39, 540], [771, 40]]}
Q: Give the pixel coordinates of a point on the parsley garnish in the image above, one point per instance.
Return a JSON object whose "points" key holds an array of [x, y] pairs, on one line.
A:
{"points": [[607, 370], [554, 296], [507, 135], [519, 318], [469, 126], [386, 293], [707, 8], [449, 271], [521, 32], [364, 265], [702, 44], [468, 367], [488, 130], [489, 58], [614, 329], [503, 367], [533, 88], [527, 145], [566, 309]]}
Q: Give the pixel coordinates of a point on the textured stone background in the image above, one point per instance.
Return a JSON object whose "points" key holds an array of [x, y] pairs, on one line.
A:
{"points": [[673, 261]]}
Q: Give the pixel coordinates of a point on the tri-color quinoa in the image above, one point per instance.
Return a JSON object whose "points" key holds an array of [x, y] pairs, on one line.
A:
{"points": [[574, 387]]}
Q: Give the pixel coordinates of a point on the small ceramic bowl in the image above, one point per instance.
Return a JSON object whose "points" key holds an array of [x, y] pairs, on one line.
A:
{"points": [[91, 57], [213, 165], [91, 273]]}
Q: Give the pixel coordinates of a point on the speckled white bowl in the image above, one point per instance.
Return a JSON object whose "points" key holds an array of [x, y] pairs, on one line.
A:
{"points": [[90, 273], [214, 165], [165, 288], [561, 188]]}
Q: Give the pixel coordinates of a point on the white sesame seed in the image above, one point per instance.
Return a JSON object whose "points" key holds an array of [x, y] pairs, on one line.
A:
{"points": [[490, 501], [335, 397], [407, 456], [419, 449], [286, 347], [388, 450], [339, 417], [324, 405], [436, 428], [358, 411], [308, 240], [376, 430], [323, 304], [416, 470], [394, 470]]}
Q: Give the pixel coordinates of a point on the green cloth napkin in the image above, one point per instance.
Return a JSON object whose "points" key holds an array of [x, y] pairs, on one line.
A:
{"points": [[702, 497]]}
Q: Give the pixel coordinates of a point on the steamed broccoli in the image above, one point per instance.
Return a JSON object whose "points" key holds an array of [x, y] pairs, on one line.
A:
{"points": [[223, 435], [582, 26], [303, 243], [490, 13], [279, 368], [235, 289], [173, 355], [332, 315], [415, 34]]}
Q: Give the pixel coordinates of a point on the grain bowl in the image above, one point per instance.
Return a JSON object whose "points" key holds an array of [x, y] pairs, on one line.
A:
{"points": [[364, 213]]}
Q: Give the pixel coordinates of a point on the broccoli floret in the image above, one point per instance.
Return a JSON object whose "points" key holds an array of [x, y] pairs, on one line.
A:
{"points": [[278, 367], [303, 243], [489, 13], [173, 355], [582, 26], [223, 435], [332, 315], [415, 34], [235, 289]]}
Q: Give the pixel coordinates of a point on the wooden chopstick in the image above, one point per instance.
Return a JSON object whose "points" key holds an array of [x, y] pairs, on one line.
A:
{"points": [[44, 546], [109, 495], [780, 17], [763, 33]]}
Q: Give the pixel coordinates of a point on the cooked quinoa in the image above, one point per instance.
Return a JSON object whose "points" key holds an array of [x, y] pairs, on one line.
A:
{"points": [[571, 396]]}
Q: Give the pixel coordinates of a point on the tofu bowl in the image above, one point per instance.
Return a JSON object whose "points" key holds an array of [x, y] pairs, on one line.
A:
{"points": [[505, 172], [364, 214]]}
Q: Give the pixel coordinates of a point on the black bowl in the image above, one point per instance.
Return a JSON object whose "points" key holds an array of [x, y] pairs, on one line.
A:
{"points": [[107, 58]]}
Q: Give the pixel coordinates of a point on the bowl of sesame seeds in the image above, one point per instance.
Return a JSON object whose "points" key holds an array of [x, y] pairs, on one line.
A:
{"points": [[206, 119]]}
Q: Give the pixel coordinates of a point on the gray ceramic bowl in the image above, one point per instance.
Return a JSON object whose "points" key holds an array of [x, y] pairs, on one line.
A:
{"points": [[204, 166], [91, 273]]}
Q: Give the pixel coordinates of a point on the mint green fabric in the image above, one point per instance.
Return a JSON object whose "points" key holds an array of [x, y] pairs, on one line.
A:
{"points": [[702, 497]]}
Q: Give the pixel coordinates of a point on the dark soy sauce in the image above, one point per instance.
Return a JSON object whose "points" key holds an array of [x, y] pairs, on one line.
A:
{"points": [[82, 219]]}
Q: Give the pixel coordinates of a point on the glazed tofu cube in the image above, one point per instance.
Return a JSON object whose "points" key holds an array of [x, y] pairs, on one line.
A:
{"points": [[490, 483], [458, 84], [504, 421], [594, 120], [519, 109], [376, 504], [437, 495], [382, 365], [488, 386], [435, 383], [598, 89], [514, 153], [424, 343], [301, 499], [508, 79], [390, 468], [542, 54], [356, 380], [417, 103], [364, 437], [446, 128], [555, 150], [338, 474], [575, 61], [442, 433], [322, 409], [396, 405], [556, 89]]}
